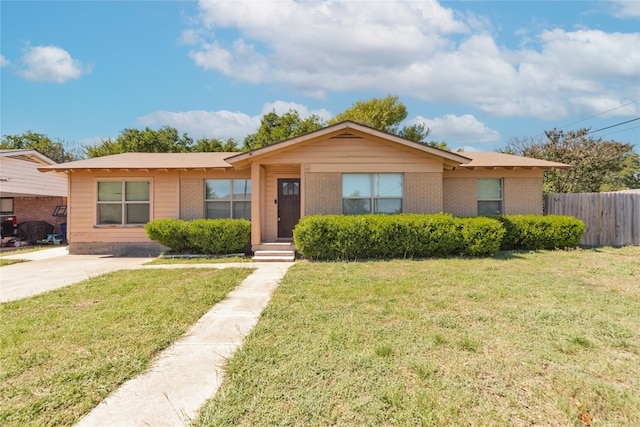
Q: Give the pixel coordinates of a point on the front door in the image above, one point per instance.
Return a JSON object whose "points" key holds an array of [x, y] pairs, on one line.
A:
{"points": [[288, 206]]}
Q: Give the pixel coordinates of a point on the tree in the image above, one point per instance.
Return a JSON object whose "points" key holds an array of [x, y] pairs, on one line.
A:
{"points": [[275, 128], [164, 140], [214, 144], [384, 114], [627, 178], [593, 159], [29, 140]]}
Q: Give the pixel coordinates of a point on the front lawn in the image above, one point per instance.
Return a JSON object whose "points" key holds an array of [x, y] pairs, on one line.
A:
{"points": [[64, 351], [540, 338]]}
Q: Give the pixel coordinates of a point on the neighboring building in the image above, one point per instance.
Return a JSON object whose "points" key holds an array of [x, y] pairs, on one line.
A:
{"points": [[346, 168], [27, 193]]}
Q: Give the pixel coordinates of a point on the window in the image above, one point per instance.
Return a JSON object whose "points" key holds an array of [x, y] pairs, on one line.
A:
{"points": [[228, 198], [489, 196], [364, 193], [6, 205], [123, 202]]}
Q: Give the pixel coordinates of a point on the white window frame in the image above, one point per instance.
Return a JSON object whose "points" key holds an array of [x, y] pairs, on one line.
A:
{"points": [[500, 199], [232, 201], [372, 198], [123, 203]]}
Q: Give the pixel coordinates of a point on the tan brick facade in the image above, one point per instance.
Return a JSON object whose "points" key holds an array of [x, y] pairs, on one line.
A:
{"points": [[423, 192], [460, 196], [191, 198], [323, 193], [522, 196]]}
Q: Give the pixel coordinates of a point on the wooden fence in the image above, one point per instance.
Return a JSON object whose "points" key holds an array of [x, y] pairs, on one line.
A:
{"points": [[611, 219]]}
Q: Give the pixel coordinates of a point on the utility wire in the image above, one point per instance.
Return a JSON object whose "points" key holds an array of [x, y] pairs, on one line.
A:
{"points": [[621, 130], [612, 126], [603, 112]]}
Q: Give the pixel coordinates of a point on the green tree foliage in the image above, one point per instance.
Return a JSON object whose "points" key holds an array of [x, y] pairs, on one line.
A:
{"points": [[164, 140], [215, 144], [627, 178], [384, 114], [275, 128], [594, 160], [29, 140]]}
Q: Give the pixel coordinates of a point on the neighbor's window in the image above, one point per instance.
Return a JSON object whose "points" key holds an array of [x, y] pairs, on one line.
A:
{"points": [[123, 202], [6, 205], [228, 198], [364, 193], [489, 196]]}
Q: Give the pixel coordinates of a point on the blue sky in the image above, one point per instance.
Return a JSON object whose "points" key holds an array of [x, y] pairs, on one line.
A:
{"points": [[477, 73]]}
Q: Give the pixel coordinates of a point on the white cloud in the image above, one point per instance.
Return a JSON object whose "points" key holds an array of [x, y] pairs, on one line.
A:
{"points": [[222, 124], [418, 49], [4, 62], [625, 8], [452, 129], [51, 64]]}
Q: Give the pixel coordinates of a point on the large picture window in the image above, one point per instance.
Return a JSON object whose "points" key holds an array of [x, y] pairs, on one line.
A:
{"points": [[123, 202], [489, 196], [228, 198], [364, 193]]}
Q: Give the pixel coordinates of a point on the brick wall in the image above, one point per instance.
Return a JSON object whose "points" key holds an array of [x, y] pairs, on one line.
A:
{"points": [[39, 209], [423, 192], [522, 196], [191, 199], [323, 193], [460, 196]]}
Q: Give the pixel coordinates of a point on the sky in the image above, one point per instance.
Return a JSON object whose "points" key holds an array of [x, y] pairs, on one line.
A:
{"points": [[477, 73]]}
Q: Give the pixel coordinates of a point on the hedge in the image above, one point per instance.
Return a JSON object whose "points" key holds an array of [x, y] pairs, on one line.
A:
{"points": [[532, 232], [204, 236], [339, 237]]}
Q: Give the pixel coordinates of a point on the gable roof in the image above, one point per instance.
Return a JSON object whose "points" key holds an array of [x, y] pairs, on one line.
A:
{"points": [[347, 129], [492, 160], [147, 161], [27, 155]]}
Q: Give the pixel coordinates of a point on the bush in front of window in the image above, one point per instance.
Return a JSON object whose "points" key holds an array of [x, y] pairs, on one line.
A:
{"points": [[338, 237], [219, 236], [203, 236], [533, 232], [169, 232]]}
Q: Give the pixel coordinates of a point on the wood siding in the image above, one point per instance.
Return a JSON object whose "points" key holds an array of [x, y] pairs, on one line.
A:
{"points": [[167, 197], [22, 178]]}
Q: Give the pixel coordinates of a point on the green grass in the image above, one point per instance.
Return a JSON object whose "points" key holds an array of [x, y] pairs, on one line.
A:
{"points": [[11, 261], [62, 352], [544, 338]]}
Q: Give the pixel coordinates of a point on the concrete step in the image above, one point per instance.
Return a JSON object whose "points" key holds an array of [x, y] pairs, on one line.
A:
{"points": [[276, 246], [274, 256]]}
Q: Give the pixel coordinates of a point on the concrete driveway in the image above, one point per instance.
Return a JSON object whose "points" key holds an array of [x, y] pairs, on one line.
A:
{"points": [[54, 268]]}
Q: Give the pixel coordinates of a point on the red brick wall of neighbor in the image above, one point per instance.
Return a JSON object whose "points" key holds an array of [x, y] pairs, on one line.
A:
{"points": [[39, 209]]}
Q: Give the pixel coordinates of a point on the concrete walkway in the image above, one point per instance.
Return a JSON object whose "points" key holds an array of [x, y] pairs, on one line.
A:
{"points": [[190, 371], [186, 374]]}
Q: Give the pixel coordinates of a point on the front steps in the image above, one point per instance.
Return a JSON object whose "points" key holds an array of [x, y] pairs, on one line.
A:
{"points": [[275, 252]]}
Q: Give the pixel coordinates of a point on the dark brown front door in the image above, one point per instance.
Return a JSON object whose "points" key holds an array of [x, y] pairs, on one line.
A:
{"points": [[288, 206]]}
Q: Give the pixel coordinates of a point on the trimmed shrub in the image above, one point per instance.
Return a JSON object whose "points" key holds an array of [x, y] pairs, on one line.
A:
{"points": [[169, 232], [205, 236], [532, 232], [219, 236], [480, 236], [339, 237]]}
